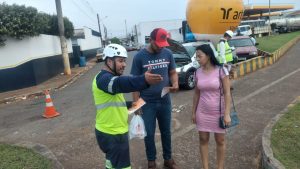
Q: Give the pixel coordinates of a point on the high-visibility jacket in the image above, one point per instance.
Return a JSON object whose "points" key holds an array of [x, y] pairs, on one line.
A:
{"points": [[111, 113], [228, 52]]}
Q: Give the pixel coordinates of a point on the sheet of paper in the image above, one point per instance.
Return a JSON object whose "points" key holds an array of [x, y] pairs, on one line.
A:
{"points": [[139, 103], [164, 91]]}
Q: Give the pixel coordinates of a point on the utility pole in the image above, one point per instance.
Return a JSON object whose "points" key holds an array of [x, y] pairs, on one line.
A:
{"points": [[269, 17], [126, 28], [63, 43], [100, 31], [136, 35]]}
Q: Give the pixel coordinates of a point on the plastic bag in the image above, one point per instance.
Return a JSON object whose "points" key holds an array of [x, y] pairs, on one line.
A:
{"points": [[137, 128]]}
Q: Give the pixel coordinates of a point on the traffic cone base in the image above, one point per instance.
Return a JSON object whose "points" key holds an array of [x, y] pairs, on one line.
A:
{"points": [[50, 112]]}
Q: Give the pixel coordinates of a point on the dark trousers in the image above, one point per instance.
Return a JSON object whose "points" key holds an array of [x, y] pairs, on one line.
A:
{"points": [[116, 149], [162, 112]]}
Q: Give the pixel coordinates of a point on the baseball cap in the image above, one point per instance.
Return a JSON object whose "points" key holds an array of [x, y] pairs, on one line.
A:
{"points": [[160, 35]]}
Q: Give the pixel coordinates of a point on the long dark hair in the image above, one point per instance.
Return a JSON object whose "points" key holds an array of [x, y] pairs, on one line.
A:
{"points": [[205, 48]]}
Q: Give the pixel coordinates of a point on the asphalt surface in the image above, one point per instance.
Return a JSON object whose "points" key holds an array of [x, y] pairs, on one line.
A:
{"points": [[259, 97]]}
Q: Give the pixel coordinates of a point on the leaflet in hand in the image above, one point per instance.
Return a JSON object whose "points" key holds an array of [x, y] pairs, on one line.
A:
{"points": [[165, 91], [138, 104]]}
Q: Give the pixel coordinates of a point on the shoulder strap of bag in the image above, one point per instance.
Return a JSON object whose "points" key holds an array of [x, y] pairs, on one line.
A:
{"points": [[220, 88]]}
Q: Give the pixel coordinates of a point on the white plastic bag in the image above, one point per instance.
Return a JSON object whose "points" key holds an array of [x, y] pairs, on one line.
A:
{"points": [[137, 128]]}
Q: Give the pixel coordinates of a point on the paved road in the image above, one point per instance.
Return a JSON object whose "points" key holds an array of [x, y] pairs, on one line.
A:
{"points": [[259, 96]]}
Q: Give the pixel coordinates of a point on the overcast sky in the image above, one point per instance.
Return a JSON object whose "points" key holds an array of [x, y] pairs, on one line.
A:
{"points": [[83, 12]]}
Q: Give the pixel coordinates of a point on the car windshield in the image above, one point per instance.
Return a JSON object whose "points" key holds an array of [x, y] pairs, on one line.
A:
{"points": [[191, 50], [179, 56], [240, 42], [99, 50]]}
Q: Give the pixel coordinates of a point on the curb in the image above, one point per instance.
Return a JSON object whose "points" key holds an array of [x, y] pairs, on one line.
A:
{"points": [[252, 65], [41, 93], [268, 159], [44, 151]]}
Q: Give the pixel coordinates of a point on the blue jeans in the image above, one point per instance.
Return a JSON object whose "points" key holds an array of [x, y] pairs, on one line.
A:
{"points": [[162, 112]]}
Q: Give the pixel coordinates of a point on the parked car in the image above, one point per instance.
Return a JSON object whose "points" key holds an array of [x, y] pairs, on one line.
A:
{"points": [[244, 47], [99, 54], [130, 48], [185, 59]]}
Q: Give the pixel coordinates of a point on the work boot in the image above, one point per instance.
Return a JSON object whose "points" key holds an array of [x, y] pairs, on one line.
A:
{"points": [[170, 164], [151, 165]]}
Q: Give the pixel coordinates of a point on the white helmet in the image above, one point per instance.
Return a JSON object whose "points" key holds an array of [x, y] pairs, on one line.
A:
{"points": [[113, 50], [230, 33]]}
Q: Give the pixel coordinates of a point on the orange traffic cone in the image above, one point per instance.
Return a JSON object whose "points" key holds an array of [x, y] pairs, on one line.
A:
{"points": [[50, 109]]}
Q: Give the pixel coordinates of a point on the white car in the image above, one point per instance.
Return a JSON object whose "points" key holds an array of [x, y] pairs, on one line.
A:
{"points": [[186, 62]]}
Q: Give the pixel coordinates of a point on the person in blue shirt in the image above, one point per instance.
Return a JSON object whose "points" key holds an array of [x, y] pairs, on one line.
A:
{"points": [[108, 86], [158, 58]]}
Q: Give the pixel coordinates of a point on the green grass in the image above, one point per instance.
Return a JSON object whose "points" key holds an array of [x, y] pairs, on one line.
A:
{"points": [[272, 43], [13, 157], [285, 139]]}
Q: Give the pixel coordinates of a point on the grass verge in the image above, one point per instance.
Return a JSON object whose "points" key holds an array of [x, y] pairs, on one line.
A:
{"points": [[13, 157], [272, 43], [285, 138]]}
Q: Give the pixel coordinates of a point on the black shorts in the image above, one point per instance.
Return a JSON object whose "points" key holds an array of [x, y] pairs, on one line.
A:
{"points": [[116, 149]]}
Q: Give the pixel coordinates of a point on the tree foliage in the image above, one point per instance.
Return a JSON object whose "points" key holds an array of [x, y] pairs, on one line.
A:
{"points": [[115, 40], [19, 21]]}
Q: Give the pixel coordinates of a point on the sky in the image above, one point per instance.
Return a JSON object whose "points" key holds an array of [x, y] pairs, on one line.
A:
{"points": [[114, 13]]}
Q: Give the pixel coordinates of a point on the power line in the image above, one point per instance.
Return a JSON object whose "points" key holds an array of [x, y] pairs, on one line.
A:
{"points": [[83, 11], [87, 4]]}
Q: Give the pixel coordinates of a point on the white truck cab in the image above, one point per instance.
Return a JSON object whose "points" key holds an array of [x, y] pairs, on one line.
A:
{"points": [[244, 30]]}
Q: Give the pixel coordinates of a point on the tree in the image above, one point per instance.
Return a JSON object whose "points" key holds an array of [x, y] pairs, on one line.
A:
{"points": [[69, 28], [115, 40], [18, 21]]}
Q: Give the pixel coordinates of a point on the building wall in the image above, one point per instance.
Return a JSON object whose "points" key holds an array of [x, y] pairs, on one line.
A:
{"points": [[31, 61], [89, 44], [90, 41], [17, 52]]}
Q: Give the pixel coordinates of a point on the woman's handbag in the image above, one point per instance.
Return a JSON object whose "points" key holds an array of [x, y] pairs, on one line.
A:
{"points": [[233, 115]]}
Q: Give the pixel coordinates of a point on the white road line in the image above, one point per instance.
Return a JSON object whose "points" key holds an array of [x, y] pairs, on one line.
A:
{"points": [[192, 126], [266, 87]]}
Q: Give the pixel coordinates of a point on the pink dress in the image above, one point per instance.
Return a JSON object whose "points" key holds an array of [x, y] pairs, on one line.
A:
{"points": [[208, 109]]}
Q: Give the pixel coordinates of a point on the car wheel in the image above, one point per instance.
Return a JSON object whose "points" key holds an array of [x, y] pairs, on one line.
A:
{"points": [[189, 80]]}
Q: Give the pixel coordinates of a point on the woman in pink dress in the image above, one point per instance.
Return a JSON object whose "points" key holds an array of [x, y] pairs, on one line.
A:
{"points": [[206, 103]]}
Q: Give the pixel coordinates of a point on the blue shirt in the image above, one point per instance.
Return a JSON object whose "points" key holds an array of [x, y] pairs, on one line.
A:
{"points": [[120, 84], [111, 84], [161, 63]]}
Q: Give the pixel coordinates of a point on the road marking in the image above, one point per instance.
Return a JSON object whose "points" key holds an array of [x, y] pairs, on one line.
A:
{"points": [[192, 126], [266, 87]]}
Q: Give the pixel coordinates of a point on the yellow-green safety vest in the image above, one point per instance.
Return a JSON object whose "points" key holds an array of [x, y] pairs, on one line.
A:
{"points": [[228, 53], [111, 113]]}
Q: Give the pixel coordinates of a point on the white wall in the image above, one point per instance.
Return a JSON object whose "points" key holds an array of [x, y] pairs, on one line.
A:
{"points": [[17, 52], [90, 41], [145, 28]]}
